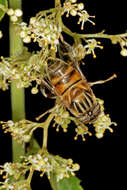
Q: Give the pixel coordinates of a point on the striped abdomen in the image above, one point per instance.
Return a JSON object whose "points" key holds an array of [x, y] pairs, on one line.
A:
{"points": [[74, 91]]}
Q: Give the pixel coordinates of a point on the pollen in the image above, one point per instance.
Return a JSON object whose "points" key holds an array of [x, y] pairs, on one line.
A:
{"points": [[115, 124], [75, 138], [101, 47], [57, 129], [54, 124], [41, 175], [3, 89], [83, 139], [4, 176], [98, 42], [90, 134], [65, 130], [111, 130]]}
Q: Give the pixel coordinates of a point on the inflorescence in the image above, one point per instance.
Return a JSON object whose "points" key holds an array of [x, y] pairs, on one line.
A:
{"points": [[44, 163], [23, 130]]}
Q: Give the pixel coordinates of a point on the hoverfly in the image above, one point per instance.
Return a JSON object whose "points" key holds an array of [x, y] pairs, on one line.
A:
{"points": [[66, 80]]}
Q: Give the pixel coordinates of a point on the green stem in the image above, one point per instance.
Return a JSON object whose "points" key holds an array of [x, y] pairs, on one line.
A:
{"points": [[17, 94], [96, 35], [45, 131], [57, 3], [30, 175]]}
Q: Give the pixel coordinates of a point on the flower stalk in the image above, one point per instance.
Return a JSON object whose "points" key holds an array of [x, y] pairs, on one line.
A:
{"points": [[45, 131], [17, 94]]}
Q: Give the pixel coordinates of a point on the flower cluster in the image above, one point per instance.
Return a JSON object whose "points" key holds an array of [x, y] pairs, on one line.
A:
{"points": [[49, 164], [62, 118], [123, 44], [14, 14], [11, 174], [77, 9], [42, 29], [91, 45], [81, 130], [103, 122], [79, 51], [21, 130], [24, 69]]}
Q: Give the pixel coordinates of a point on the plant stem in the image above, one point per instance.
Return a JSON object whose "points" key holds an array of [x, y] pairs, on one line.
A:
{"points": [[57, 3], [96, 35], [45, 131], [17, 94]]}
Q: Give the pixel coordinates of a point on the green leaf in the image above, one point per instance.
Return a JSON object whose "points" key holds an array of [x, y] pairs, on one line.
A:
{"points": [[71, 183], [3, 3]]}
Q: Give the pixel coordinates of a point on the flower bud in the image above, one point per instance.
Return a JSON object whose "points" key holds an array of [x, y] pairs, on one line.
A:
{"points": [[80, 6], [123, 52], [73, 12], [22, 34], [99, 135], [32, 20], [10, 12], [27, 39], [18, 12], [34, 90], [14, 18]]}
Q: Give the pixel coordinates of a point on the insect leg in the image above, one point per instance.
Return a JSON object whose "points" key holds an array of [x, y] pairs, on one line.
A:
{"points": [[49, 87], [103, 81], [48, 111]]}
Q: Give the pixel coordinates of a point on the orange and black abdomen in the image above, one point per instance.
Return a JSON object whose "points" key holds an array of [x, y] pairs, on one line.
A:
{"points": [[63, 76]]}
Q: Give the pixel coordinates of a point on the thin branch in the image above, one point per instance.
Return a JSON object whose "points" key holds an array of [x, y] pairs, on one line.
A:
{"points": [[96, 35], [45, 131]]}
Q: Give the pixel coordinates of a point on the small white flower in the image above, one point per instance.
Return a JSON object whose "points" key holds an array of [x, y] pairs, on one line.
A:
{"points": [[10, 12], [27, 39], [80, 6], [32, 20], [10, 186], [39, 156], [22, 34], [46, 159], [14, 18], [99, 135], [18, 12], [34, 90], [123, 52], [10, 123], [73, 12]]}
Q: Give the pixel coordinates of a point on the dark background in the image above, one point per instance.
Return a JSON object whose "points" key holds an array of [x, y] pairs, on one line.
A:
{"points": [[102, 161]]}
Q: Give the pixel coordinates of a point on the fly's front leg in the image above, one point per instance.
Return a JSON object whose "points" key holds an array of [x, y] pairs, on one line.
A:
{"points": [[43, 87], [103, 81]]}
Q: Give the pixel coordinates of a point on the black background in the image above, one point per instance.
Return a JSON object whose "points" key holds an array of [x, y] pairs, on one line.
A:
{"points": [[102, 161]]}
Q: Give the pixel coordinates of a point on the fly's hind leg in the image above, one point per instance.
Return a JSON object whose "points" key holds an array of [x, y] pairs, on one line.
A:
{"points": [[103, 81]]}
